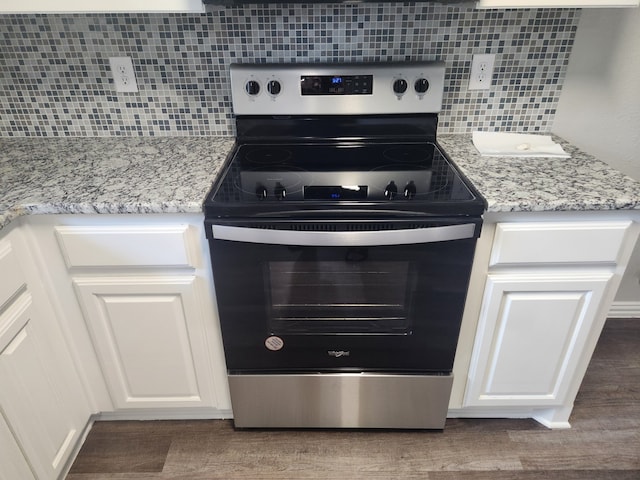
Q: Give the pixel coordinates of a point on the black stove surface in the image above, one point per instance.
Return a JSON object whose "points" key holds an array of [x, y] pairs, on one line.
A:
{"points": [[341, 156], [415, 177]]}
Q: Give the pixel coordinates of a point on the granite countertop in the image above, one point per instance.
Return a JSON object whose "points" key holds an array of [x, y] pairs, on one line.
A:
{"points": [[511, 184], [173, 174], [107, 175]]}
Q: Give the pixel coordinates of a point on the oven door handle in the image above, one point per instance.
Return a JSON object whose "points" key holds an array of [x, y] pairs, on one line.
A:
{"points": [[344, 239]]}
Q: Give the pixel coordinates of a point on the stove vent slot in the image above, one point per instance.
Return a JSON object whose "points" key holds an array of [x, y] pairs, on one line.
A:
{"points": [[336, 227]]}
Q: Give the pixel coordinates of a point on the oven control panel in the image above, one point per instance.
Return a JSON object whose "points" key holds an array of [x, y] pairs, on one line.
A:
{"points": [[337, 89], [336, 85]]}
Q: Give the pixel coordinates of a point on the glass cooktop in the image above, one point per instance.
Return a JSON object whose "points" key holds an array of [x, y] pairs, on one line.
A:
{"points": [[415, 177]]}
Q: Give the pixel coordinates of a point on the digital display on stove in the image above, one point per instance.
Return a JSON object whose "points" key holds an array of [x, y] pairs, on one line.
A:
{"points": [[336, 84], [333, 192]]}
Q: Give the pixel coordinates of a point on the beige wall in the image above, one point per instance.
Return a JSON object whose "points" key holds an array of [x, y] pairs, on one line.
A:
{"points": [[599, 108]]}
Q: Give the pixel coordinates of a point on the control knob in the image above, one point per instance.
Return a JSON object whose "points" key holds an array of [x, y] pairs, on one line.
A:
{"points": [[261, 192], [252, 87], [274, 87], [421, 85], [391, 190], [279, 191], [400, 86], [410, 190]]}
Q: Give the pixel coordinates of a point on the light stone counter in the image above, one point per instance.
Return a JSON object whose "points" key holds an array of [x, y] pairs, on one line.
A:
{"points": [[173, 175], [107, 175], [510, 184]]}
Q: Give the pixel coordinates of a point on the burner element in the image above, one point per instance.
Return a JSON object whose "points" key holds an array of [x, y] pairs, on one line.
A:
{"points": [[408, 154], [268, 155]]}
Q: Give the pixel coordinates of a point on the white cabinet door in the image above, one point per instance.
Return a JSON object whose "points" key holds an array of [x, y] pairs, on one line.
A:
{"points": [[13, 464], [530, 337], [149, 334], [42, 404]]}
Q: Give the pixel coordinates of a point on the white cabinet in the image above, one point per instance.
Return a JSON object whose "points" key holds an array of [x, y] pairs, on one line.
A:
{"points": [[531, 333], [42, 403], [127, 245], [555, 3], [14, 465], [144, 287], [530, 244], [150, 339], [107, 6], [547, 291]]}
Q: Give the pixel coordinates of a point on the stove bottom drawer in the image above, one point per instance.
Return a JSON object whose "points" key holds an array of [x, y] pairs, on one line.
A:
{"points": [[340, 400]]}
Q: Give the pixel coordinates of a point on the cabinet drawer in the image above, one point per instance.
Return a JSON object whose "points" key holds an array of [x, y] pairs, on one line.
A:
{"points": [[558, 243], [126, 246], [12, 278]]}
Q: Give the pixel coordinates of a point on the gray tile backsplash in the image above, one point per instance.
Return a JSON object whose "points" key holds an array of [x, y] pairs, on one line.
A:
{"points": [[55, 78]]}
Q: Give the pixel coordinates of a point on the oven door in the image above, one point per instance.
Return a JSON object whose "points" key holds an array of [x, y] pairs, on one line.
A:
{"points": [[341, 296]]}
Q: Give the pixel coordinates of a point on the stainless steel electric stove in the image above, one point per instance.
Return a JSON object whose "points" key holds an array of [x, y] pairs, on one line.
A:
{"points": [[341, 239]]}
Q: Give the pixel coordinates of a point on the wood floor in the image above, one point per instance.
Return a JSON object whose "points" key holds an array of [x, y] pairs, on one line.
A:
{"points": [[604, 442]]}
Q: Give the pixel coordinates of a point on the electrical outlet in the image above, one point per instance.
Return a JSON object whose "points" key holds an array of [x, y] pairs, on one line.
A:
{"points": [[123, 75], [481, 71]]}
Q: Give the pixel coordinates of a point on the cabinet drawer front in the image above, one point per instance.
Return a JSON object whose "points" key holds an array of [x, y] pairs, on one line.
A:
{"points": [[558, 243], [126, 246], [11, 279]]}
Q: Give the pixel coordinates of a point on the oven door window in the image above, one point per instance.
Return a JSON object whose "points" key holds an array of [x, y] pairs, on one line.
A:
{"points": [[350, 296]]}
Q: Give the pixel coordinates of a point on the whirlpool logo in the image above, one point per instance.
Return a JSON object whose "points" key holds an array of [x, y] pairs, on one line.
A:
{"points": [[338, 353]]}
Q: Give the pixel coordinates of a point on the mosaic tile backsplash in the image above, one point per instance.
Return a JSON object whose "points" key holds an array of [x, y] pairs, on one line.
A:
{"points": [[55, 78]]}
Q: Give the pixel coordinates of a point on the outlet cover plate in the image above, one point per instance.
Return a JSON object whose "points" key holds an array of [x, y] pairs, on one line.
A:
{"points": [[124, 77], [481, 71]]}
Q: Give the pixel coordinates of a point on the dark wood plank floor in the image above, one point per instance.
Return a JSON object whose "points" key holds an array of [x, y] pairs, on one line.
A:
{"points": [[604, 442]]}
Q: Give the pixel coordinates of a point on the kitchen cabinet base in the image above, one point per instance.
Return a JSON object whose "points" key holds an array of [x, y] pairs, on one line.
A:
{"points": [[187, 413], [555, 418]]}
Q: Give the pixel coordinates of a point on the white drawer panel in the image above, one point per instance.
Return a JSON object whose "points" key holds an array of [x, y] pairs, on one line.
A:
{"points": [[558, 243], [126, 246], [11, 277]]}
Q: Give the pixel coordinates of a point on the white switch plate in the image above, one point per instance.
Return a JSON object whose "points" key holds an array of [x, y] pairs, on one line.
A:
{"points": [[124, 77], [481, 71]]}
